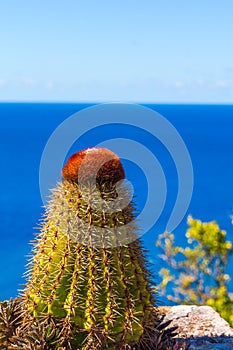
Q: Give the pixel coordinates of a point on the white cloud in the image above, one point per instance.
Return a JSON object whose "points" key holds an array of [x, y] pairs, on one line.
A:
{"points": [[200, 82], [147, 89], [2, 82], [179, 84], [221, 84], [49, 85], [27, 81]]}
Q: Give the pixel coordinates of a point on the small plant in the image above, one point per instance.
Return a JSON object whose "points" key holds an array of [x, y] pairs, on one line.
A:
{"points": [[198, 272], [10, 319]]}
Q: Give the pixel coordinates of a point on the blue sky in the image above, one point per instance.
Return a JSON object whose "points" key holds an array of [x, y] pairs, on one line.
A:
{"points": [[131, 51]]}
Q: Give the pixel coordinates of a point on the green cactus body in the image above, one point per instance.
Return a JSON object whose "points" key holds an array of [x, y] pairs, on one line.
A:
{"points": [[81, 272]]}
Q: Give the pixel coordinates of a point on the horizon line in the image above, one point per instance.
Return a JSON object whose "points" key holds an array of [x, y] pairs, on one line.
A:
{"points": [[115, 101]]}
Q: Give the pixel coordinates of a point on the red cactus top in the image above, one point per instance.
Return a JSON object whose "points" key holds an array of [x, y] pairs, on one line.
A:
{"points": [[98, 164]]}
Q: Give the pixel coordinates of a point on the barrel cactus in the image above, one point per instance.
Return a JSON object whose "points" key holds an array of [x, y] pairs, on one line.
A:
{"points": [[87, 276], [87, 282]]}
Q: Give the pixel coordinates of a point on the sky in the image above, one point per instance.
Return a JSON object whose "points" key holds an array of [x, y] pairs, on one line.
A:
{"points": [[155, 51]]}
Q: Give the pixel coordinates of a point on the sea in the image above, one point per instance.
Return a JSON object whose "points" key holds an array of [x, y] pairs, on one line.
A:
{"points": [[25, 128]]}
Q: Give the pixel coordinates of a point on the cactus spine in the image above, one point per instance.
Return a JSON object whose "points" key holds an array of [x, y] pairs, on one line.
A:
{"points": [[88, 267]]}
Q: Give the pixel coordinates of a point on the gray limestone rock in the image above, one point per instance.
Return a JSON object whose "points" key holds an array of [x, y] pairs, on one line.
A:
{"points": [[200, 327]]}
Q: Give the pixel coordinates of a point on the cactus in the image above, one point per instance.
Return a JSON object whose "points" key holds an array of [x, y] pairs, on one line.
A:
{"points": [[10, 319], [48, 334], [88, 267]]}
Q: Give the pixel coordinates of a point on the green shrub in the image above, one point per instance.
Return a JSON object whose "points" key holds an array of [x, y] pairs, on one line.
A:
{"points": [[197, 274]]}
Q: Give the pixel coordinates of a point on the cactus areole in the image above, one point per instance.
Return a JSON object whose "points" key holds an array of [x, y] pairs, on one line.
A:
{"points": [[88, 267]]}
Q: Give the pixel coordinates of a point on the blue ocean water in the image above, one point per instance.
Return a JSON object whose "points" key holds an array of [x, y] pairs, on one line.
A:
{"points": [[207, 131]]}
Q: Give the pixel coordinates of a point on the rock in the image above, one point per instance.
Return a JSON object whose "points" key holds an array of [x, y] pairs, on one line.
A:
{"points": [[200, 327]]}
